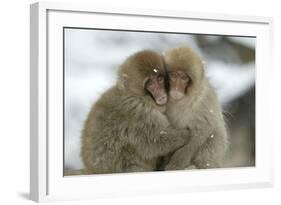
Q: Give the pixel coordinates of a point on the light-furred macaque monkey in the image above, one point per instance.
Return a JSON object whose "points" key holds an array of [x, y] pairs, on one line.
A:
{"points": [[126, 130], [193, 104]]}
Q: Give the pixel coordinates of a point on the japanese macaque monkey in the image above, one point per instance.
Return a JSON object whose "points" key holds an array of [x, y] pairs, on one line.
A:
{"points": [[193, 104], [126, 130]]}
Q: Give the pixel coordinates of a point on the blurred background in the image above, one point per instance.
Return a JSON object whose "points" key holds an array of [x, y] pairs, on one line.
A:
{"points": [[92, 58]]}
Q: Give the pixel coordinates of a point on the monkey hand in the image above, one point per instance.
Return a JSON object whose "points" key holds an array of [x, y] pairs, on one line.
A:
{"points": [[179, 160], [179, 137], [185, 135]]}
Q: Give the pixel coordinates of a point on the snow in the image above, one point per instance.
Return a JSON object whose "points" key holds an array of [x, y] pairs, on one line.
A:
{"points": [[91, 61], [230, 80], [163, 132], [249, 42]]}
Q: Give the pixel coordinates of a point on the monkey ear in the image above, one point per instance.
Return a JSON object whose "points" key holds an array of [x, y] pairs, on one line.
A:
{"points": [[122, 81]]}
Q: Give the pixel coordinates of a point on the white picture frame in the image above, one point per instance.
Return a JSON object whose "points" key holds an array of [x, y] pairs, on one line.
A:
{"points": [[47, 182]]}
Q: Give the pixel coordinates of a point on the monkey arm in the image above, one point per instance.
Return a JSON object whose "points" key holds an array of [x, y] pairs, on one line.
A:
{"points": [[212, 152], [183, 156], [159, 143], [201, 151]]}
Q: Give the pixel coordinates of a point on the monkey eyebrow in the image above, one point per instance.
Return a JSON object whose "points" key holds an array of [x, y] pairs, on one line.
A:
{"points": [[174, 73]]}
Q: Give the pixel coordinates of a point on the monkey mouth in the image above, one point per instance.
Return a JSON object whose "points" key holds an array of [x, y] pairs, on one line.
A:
{"points": [[176, 95], [161, 100]]}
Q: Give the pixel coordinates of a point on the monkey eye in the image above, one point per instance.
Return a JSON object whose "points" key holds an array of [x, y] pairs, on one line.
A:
{"points": [[172, 75], [185, 77], [160, 79]]}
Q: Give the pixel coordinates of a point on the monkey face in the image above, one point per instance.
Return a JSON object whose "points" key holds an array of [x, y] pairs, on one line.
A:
{"points": [[178, 82], [155, 85], [185, 72], [143, 74]]}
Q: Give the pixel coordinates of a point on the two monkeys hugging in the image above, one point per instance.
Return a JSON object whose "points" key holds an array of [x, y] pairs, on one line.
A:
{"points": [[162, 114]]}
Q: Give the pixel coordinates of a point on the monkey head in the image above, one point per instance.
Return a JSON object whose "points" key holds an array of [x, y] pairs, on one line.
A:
{"points": [[185, 72], [143, 74]]}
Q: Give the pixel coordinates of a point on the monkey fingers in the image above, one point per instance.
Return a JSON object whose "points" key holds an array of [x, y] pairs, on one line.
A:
{"points": [[179, 160]]}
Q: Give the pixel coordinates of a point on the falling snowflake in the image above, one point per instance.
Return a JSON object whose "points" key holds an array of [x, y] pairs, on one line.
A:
{"points": [[163, 132]]}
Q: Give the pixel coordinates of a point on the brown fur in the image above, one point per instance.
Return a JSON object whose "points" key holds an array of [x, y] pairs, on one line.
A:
{"points": [[200, 111], [126, 130]]}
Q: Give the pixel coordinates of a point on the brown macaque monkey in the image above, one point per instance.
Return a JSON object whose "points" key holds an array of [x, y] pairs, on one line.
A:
{"points": [[126, 130], [193, 104]]}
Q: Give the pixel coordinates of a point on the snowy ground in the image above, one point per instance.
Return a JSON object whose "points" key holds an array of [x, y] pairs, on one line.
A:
{"points": [[91, 60]]}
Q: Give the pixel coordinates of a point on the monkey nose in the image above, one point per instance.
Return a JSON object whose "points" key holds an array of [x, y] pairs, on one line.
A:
{"points": [[161, 100]]}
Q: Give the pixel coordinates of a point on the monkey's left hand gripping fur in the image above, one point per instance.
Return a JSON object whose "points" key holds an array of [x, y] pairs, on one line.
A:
{"points": [[179, 161]]}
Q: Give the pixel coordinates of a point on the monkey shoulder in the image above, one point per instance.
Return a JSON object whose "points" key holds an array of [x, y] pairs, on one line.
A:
{"points": [[103, 114], [109, 99]]}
